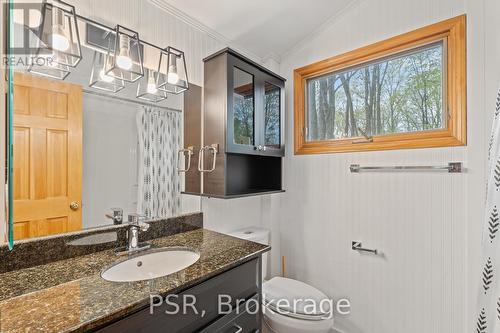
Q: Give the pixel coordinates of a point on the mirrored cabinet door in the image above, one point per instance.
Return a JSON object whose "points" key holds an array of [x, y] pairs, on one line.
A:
{"points": [[255, 110], [272, 117], [242, 101], [244, 107]]}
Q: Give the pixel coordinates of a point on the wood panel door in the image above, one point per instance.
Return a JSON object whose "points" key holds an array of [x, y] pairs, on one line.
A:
{"points": [[47, 143]]}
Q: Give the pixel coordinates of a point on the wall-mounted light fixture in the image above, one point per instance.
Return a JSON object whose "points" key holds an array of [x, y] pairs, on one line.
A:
{"points": [[125, 55], [58, 33], [121, 59], [58, 41], [147, 90], [172, 71], [99, 79]]}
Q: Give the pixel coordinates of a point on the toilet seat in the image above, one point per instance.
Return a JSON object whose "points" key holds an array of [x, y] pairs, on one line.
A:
{"points": [[300, 317], [295, 299], [270, 307]]}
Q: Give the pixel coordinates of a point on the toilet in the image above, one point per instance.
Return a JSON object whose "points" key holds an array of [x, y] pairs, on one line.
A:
{"points": [[302, 309]]}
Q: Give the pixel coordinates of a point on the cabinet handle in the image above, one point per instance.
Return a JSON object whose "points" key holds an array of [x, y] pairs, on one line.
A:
{"points": [[180, 153], [215, 150], [238, 328]]}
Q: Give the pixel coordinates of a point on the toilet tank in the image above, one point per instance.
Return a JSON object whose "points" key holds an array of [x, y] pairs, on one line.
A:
{"points": [[257, 235]]}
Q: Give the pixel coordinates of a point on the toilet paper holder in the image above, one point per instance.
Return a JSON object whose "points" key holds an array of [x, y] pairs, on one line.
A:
{"points": [[358, 246]]}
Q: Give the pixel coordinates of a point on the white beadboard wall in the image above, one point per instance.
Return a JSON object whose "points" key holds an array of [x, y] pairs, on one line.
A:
{"points": [[426, 225]]}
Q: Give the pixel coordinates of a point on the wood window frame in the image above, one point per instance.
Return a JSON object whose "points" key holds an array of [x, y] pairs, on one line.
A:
{"points": [[453, 32]]}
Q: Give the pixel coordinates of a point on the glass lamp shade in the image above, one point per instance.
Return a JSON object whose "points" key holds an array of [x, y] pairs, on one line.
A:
{"points": [[58, 34], [49, 67], [172, 71], [99, 79], [147, 89], [125, 54]]}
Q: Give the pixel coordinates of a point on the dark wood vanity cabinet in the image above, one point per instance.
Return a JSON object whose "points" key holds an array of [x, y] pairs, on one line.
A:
{"points": [[242, 116], [244, 314]]}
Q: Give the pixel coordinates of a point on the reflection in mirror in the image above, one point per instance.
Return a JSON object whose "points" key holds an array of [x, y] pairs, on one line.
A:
{"points": [[272, 115], [91, 149], [243, 97]]}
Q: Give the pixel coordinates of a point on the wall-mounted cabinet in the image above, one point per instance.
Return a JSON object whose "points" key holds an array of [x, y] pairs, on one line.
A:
{"points": [[254, 107], [242, 117]]}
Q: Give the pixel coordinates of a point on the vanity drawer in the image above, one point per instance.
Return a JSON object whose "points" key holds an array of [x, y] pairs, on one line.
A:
{"points": [[240, 283], [247, 319]]}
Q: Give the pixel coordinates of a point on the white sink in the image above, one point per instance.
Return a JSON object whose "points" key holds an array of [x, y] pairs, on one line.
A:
{"points": [[151, 265]]}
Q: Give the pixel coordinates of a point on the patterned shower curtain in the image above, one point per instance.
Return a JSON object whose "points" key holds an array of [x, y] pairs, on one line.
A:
{"points": [[159, 182], [488, 317]]}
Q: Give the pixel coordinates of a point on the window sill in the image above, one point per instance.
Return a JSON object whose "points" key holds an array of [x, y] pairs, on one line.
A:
{"points": [[430, 139]]}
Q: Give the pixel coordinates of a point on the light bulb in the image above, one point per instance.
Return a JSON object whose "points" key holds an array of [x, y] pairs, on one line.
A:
{"points": [[105, 78], [151, 88], [60, 42], [123, 59], [59, 37], [124, 62], [172, 76]]}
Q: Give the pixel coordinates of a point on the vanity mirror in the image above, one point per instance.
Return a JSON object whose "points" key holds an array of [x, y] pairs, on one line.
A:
{"points": [[96, 124]]}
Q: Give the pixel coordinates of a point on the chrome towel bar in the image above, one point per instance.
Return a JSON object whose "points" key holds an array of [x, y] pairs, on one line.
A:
{"points": [[452, 167]]}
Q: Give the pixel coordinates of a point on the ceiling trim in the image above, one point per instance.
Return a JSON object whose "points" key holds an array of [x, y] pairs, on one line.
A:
{"points": [[324, 26], [164, 5], [182, 16]]}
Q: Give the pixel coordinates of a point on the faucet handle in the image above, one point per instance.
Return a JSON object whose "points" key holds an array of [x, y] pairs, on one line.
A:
{"points": [[117, 211], [144, 226], [135, 218], [116, 215], [138, 220]]}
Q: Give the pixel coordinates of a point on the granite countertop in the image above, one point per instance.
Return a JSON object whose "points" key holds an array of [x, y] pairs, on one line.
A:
{"points": [[70, 295]]}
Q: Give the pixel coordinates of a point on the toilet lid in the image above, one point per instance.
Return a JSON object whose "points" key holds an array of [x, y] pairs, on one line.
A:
{"points": [[287, 296]]}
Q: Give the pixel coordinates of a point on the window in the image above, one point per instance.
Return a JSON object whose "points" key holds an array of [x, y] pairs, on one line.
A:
{"points": [[405, 92]]}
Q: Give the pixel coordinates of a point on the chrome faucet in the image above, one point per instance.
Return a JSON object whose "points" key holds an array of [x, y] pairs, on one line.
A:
{"points": [[116, 215], [136, 225]]}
